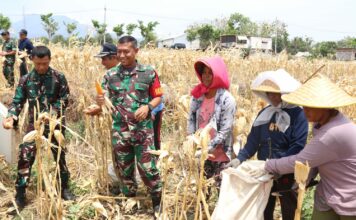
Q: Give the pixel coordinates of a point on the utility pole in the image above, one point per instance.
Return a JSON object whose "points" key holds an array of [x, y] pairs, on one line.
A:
{"points": [[276, 39], [105, 24]]}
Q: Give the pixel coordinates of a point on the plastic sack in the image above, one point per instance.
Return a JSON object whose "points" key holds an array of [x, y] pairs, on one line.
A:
{"points": [[241, 196]]}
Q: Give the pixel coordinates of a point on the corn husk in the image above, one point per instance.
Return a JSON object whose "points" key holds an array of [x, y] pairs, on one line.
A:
{"points": [[30, 136], [301, 173], [59, 137]]}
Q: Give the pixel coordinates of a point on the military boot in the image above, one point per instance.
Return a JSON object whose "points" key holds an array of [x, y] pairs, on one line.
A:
{"points": [[156, 205], [20, 197]]}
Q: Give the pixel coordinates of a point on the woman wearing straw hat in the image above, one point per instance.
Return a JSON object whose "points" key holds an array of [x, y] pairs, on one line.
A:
{"points": [[280, 130], [213, 104], [331, 152]]}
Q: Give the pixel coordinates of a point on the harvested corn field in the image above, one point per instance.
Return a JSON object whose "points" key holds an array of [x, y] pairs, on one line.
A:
{"points": [[88, 144]]}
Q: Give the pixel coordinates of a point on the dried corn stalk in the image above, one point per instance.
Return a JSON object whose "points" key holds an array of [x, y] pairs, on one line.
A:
{"points": [[301, 172]]}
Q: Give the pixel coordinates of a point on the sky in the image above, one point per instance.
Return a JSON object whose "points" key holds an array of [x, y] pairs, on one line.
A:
{"points": [[321, 20]]}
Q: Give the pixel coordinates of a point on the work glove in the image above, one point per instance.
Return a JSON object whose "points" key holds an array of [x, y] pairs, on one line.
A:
{"points": [[258, 171], [233, 163]]}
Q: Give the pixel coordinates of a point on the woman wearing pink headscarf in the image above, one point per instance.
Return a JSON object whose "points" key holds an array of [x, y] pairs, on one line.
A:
{"points": [[212, 103]]}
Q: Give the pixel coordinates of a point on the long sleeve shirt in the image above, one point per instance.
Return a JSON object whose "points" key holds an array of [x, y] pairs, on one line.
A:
{"points": [[25, 45], [50, 90], [223, 118], [332, 150], [269, 142]]}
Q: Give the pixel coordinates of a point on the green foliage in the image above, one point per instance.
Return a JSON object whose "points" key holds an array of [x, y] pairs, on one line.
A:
{"points": [[238, 24], [49, 25], [347, 42], [299, 44], [265, 29], [241, 25], [58, 39], [119, 30], [280, 35], [5, 22], [70, 27], [130, 28], [108, 38], [307, 208], [44, 40], [206, 33], [147, 31], [325, 49], [89, 212], [100, 29]]}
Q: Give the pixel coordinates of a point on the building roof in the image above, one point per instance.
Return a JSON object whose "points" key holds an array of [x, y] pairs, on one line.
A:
{"points": [[346, 49]]}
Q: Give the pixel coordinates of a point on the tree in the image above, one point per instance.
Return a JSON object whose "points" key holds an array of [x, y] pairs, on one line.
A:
{"points": [[192, 33], [130, 28], [70, 27], [147, 31], [325, 49], [5, 22], [265, 29], [205, 33], [58, 38], [118, 29], [241, 25], [299, 44], [49, 25], [280, 39], [347, 42], [100, 30]]}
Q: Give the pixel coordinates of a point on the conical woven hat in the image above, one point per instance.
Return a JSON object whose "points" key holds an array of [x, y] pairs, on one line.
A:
{"points": [[319, 92], [267, 86]]}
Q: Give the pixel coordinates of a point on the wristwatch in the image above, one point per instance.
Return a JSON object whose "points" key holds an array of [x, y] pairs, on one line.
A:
{"points": [[150, 107]]}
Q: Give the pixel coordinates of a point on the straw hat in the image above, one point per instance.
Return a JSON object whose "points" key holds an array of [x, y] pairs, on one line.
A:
{"points": [[319, 92], [267, 86]]}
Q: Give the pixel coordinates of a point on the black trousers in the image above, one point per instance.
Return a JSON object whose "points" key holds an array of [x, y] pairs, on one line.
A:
{"points": [[157, 122], [23, 68], [287, 199]]}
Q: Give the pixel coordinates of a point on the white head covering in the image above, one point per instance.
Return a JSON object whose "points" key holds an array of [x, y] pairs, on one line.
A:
{"points": [[286, 84]]}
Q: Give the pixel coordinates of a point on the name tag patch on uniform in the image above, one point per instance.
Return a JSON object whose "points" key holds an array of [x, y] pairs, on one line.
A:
{"points": [[159, 91]]}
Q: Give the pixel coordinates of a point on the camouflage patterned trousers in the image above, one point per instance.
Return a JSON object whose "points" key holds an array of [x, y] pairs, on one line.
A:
{"points": [[27, 155], [8, 71], [131, 143]]}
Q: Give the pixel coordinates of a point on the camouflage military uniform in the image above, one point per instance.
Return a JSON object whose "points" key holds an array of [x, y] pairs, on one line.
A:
{"points": [[129, 90], [51, 90], [8, 65]]}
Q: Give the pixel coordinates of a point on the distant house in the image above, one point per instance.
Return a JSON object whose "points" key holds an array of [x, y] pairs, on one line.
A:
{"points": [[263, 44], [346, 54], [180, 39], [302, 54]]}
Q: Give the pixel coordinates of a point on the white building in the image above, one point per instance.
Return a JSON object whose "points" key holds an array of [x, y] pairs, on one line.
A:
{"points": [[255, 43], [169, 41]]}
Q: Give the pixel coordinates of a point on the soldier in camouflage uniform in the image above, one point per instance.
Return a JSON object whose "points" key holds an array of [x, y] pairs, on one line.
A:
{"points": [[48, 88], [8, 51], [134, 90]]}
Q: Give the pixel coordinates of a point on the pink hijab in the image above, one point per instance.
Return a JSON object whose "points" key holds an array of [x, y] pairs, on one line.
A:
{"points": [[220, 76]]}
